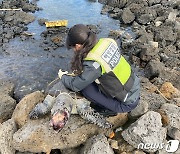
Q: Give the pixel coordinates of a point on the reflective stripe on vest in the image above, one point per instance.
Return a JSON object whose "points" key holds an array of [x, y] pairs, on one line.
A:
{"points": [[107, 54]]}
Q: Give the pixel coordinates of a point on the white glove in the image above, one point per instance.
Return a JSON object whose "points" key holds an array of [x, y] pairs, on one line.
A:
{"points": [[61, 73]]}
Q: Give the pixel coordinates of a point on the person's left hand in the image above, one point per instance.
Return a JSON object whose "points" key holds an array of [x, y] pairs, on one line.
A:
{"points": [[61, 73]]}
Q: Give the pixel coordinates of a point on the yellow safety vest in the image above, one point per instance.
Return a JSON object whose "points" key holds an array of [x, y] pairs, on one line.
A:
{"points": [[107, 54], [116, 71]]}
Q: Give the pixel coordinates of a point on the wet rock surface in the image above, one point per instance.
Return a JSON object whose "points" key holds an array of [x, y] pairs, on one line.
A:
{"points": [[53, 38], [13, 22], [7, 103], [7, 87], [127, 16], [41, 22], [7, 106]]}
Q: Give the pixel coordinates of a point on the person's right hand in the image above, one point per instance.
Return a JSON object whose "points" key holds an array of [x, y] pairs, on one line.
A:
{"points": [[61, 73]]}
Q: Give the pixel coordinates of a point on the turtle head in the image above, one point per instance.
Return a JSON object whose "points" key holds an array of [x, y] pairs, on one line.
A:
{"points": [[59, 119], [61, 111]]}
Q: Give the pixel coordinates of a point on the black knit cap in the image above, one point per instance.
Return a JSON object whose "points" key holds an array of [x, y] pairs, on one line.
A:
{"points": [[78, 34]]}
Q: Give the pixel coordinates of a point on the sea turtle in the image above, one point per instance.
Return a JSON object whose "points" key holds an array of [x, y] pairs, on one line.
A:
{"points": [[62, 103]]}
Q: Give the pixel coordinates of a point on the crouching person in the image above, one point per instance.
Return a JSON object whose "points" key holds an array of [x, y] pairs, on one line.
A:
{"points": [[102, 74]]}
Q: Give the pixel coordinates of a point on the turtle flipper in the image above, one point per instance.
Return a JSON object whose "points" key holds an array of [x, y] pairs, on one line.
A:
{"points": [[89, 114], [42, 108]]}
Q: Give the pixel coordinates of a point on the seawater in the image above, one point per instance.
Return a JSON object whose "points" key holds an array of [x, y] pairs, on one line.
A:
{"points": [[75, 11], [32, 68]]}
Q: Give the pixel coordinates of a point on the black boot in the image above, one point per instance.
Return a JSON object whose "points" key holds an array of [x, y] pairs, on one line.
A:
{"points": [[102, 110]]}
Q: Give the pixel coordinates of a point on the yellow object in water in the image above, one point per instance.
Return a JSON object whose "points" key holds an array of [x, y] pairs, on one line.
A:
{"points": [[57, 23]]}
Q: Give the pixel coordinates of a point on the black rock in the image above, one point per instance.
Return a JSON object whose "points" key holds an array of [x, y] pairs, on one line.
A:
{"points": [[153, 69]]}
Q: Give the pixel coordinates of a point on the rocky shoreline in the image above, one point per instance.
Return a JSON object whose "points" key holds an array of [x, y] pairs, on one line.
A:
{"points": [[154, 49], [14, 22]]}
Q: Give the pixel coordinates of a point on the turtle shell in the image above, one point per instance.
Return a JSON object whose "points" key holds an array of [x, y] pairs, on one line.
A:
{"points": [[56, 87]]}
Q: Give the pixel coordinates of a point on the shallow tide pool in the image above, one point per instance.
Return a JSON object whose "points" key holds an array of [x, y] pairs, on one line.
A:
{"points": [[75, 11], [32, 68]]}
